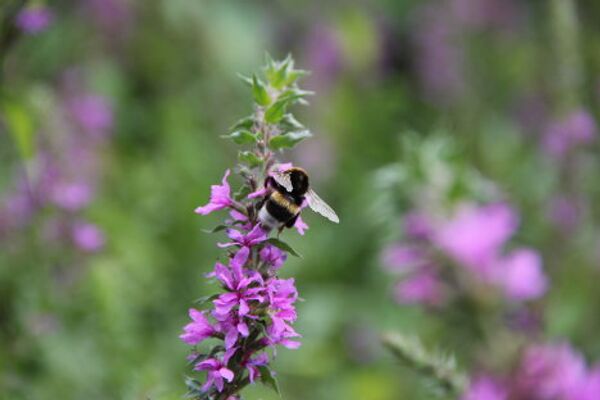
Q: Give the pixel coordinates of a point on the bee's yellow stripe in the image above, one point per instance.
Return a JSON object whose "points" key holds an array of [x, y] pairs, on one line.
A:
{"points": [[284, 202]]}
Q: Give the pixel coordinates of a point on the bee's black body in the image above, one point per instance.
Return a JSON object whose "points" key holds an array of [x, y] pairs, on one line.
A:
{"points": [[282, 208]]}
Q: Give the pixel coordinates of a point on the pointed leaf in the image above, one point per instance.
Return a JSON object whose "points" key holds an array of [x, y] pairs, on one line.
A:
{"points": [[245, 123], [245, 79], [216, 229], [290, 123], [288, 140], [283, 246], [268, 379], [205, 299], [250, 158], [261, 96], [276, 111], [242, 137]]}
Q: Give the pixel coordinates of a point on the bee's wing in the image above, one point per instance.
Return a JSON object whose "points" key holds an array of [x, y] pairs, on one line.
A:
{"points": [[283, 179], [318, 205]]}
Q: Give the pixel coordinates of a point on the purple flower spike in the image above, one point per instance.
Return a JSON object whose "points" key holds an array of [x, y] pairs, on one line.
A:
{"points": [[33, 20], [220, 197], [272, 256], [198, 330]]}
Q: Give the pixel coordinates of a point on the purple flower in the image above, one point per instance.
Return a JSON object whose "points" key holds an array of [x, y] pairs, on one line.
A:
{"points": [[220, 197], [300, 225], [521, 275], [485, 388], [71, 196], [33, 20], [577, 128], [589, 389], [423, 287], [242, 287], [245, 241], [87, 236], [197, 330], [564, 212], [92, 113], [475, 236], [282, 295], [258, 193], [253, 363], [273, 256], [217, 371], [417, 226], [400, 258], [549, 372]]}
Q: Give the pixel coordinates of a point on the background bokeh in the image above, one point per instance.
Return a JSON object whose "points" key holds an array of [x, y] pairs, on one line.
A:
{"points": [[111, 112]]}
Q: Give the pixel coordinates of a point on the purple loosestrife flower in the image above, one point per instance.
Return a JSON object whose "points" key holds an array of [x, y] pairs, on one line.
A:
{"points": [[88, 237], [220, 197], [33, 20], [521, 276], [475, 236], [198, 330], [254, 311], [424, 287], [485, 388]]}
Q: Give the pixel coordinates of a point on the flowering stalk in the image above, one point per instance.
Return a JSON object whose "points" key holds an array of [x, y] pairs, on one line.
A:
{"points": [[255, 310]]}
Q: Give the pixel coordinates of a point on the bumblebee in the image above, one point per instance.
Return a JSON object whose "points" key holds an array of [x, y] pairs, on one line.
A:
{"points": [[287, 193]]}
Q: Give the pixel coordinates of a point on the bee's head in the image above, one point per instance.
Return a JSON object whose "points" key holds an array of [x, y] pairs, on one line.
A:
{"points": [[299, 179]]}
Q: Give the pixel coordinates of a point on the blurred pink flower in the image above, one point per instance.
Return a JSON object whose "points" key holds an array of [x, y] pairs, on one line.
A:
{"points": [[564, 212], [71, 196], [35, 19], [423, 287], [550, 372], [401, 258], [93, 113], [521, 276], [475, 235], [87, 236], [417, 225], [576, 128], [485, 388]]}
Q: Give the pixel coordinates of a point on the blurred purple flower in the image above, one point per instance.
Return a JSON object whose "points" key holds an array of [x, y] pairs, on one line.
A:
{"points": [[521, 276], [253, 363], [324, 56], [475, 235], [485, 388], [220, 197], [575, 129], [33, 20], [423, 287], [197, 330], [71, 196], [87, 236], [549, 372], [417, 225], [113, 16], [93, 114], [402, 258]]}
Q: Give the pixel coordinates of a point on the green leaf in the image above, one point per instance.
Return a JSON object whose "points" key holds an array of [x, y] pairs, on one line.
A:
{"points": [[267, 378], [288, 140], [290, 123], [283, 246], [250, 158], [21, 127], [205, 299], [242, 137], [245, 79], [194, 386], [216, 229], [294, 75], [276, 112], [244, 191], [294, 94], [245, 123], [261, 96], [277, 73]]}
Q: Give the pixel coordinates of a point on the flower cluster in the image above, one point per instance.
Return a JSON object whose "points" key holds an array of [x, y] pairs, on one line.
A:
{"points": [[64, 175], [255, 310], [545, 372], [473, 239]]}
